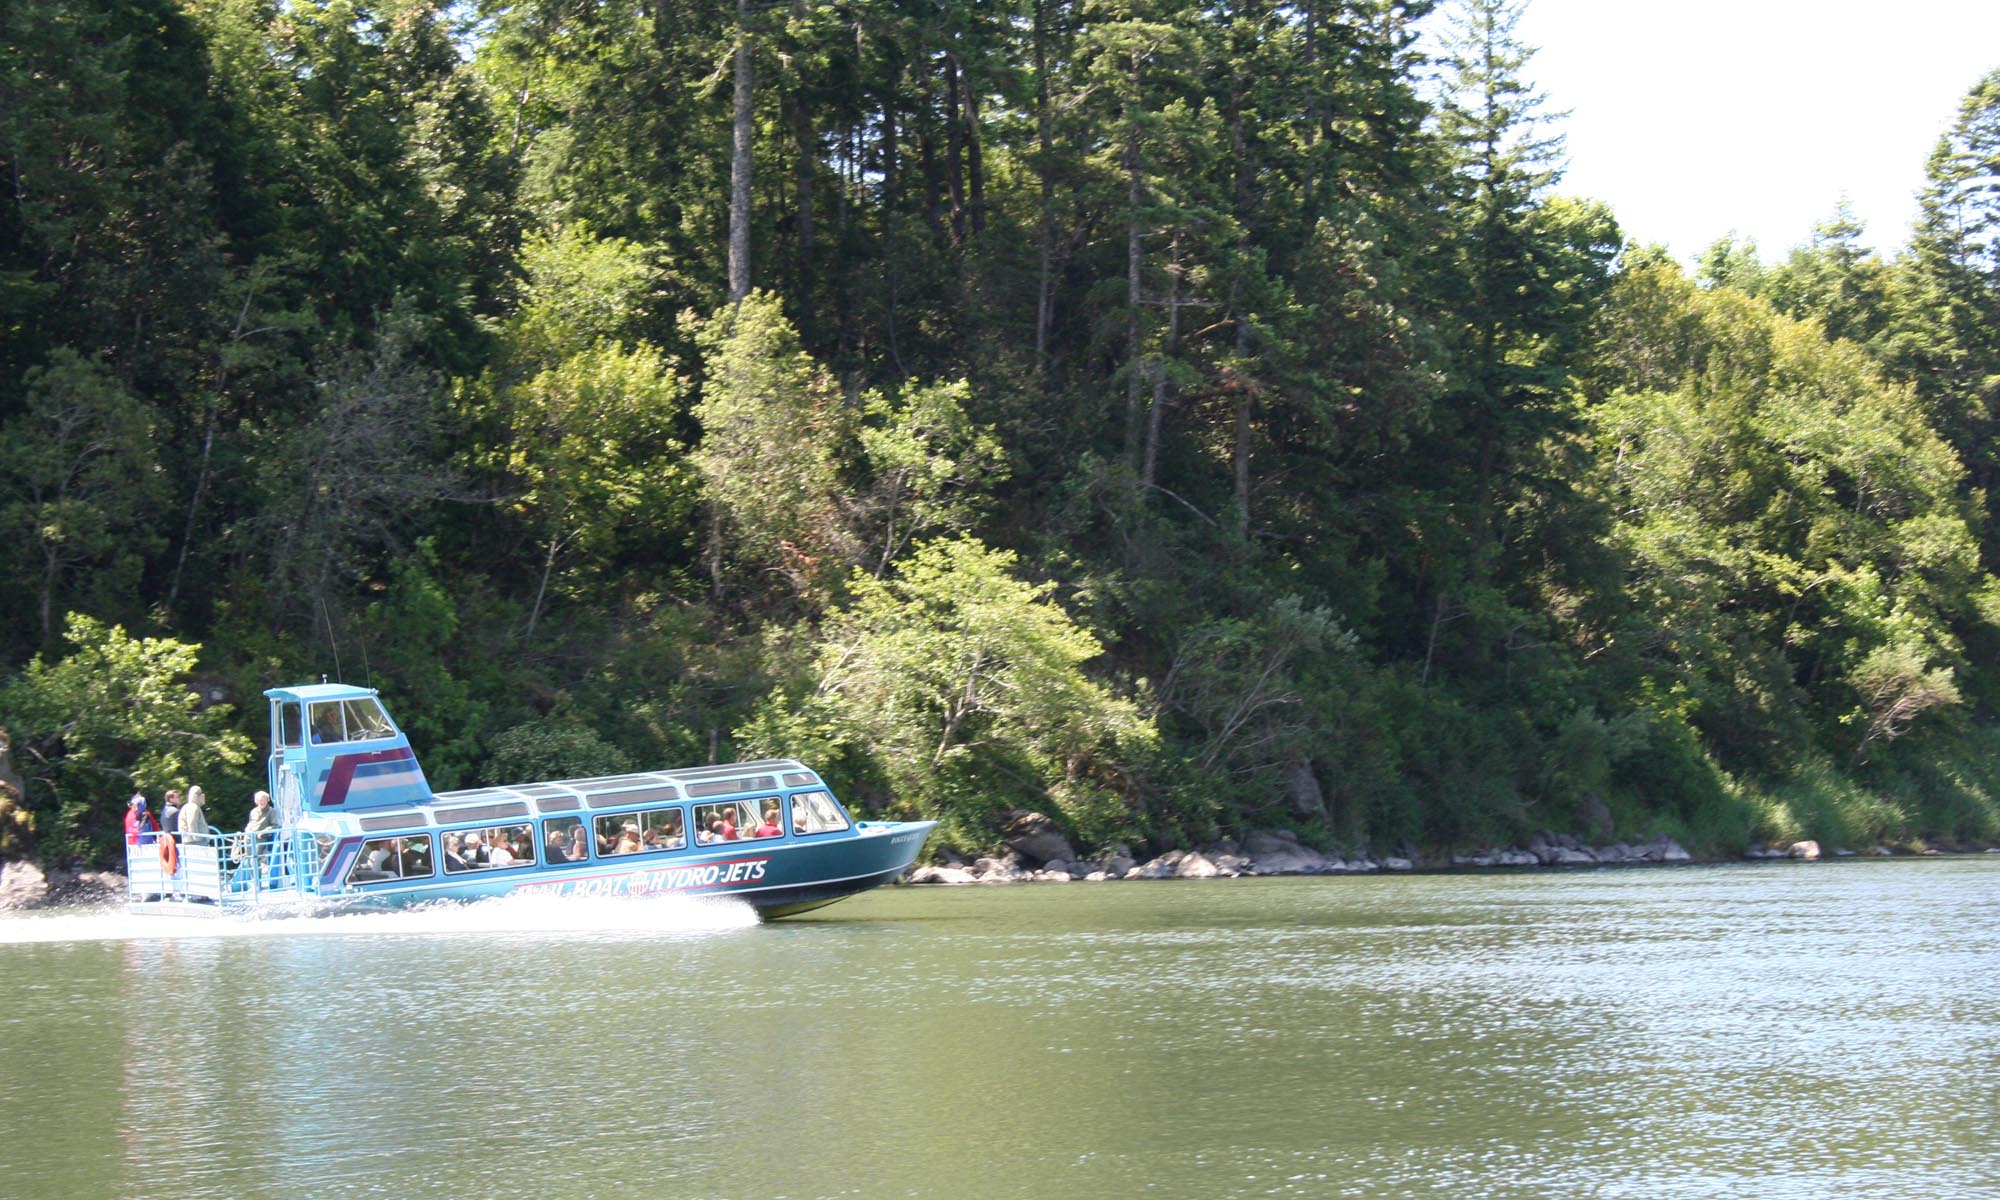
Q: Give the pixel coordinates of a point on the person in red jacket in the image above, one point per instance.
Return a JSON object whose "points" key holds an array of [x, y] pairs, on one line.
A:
{"points": [[140, 827]]}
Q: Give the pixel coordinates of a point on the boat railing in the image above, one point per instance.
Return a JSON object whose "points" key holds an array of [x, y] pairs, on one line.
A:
{"points": [[226, 869]]}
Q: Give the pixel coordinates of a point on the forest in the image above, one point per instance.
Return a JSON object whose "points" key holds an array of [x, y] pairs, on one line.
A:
{"points": [[1177, 418]]}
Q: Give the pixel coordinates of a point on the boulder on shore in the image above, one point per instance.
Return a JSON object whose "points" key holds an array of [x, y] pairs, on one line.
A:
{"points": [[24, 884], [1034, 837]]}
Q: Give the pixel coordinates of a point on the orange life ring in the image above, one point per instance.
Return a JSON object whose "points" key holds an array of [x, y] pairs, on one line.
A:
{"points": [[170, 855]]}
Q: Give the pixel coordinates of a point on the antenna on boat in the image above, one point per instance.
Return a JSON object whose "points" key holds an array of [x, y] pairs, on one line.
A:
{"points": [[322, 676]]}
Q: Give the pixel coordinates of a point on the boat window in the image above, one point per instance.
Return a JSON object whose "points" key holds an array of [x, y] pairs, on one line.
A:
{"points": [[739, 820], [365, 720], [391, 858], [815, 812], [326, 723], [639, 832], [563, 841], [291, 730], [491, 848]]}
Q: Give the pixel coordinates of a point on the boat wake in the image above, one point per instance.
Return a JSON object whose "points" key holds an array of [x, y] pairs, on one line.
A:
{"points": [[517, 914]]}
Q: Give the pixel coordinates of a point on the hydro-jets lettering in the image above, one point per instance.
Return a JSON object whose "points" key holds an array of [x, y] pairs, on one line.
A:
{"points": [[658, 879]]}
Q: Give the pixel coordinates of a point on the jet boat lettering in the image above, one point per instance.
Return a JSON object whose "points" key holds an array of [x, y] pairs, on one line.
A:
{"points": [[664, 879]]}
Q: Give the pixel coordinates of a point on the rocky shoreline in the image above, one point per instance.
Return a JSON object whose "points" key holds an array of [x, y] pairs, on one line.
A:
{"points": [[24, 885], [1037, 852]]}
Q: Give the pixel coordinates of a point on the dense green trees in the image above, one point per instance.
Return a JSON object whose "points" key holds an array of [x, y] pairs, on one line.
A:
{"points": [[1177, 418]]}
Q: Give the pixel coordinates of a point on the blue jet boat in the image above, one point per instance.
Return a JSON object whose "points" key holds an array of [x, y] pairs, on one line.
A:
{"points": [[358, 826]]}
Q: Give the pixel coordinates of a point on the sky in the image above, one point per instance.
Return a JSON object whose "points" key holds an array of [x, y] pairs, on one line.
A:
{"points": [[1696, 119]]}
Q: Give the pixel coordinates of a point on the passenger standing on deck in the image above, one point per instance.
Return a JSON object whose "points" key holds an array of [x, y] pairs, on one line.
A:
{"points": [[170, 814], [194, 822], [140, 827], [260, 825], [259, 830]]}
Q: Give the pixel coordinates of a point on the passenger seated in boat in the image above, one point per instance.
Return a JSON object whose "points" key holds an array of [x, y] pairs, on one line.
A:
{"points": [[476, 853], [497, 853], [414, 859], [558, 847], [454, 854], [579, 845], [770, 827], [674, 836], [728, 825], [628, 839]]}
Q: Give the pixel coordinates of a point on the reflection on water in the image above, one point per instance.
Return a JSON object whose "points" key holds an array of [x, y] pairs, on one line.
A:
{"points": [[1781, 1030]]}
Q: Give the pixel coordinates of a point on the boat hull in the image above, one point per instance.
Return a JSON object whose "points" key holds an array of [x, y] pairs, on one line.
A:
{"points": [[778, 879]]}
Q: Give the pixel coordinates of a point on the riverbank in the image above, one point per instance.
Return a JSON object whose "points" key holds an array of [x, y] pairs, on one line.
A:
{"points": [[1037, 853]]}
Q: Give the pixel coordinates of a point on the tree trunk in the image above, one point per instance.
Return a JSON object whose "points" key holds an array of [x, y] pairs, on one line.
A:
{"points": [[954, 146], [1162, 388], [1044, 168], [739, 161], [1134, 252], [802, 180], [892, 191]]}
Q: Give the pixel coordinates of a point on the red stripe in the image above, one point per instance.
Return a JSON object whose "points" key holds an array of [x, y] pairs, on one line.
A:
{"points": [[342, 775]]}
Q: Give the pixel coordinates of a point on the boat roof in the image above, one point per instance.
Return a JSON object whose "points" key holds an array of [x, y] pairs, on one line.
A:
{"points": [[319, 691], [579, 796]]}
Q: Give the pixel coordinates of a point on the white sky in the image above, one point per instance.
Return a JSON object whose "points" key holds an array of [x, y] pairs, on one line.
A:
{"points": [[1698, 118]]}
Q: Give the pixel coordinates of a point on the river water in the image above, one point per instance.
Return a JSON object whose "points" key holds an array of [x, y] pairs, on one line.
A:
{"points": [[1772, 1030]]}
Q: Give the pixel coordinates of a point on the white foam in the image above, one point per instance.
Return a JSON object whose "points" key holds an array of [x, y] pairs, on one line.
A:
{"points": [[619, 916]]}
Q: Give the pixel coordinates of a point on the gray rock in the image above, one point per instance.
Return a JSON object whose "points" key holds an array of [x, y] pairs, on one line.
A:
{"points": [[1806, 850], [1563, 856], [22, 885], [1230, 865], [1036, 839], [1596, 817], [1119, 865], [945, 875], [1261, 842], [998, 870], [1302, 791], [1396, 862], [1296, 860], [1195, 866], [1048, 876]]}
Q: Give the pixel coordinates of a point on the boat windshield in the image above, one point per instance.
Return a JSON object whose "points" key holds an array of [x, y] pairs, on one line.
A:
{"points": [[350, 721]]}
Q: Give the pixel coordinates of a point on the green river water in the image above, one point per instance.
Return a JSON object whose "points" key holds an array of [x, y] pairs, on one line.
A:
{"points": [[1771, 1030]]}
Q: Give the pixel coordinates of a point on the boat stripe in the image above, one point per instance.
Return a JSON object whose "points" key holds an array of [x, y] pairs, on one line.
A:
{"points": [[341, 778]]}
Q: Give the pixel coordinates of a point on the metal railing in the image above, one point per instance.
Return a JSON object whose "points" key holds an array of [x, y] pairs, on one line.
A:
{"points": [[223, 869]]}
